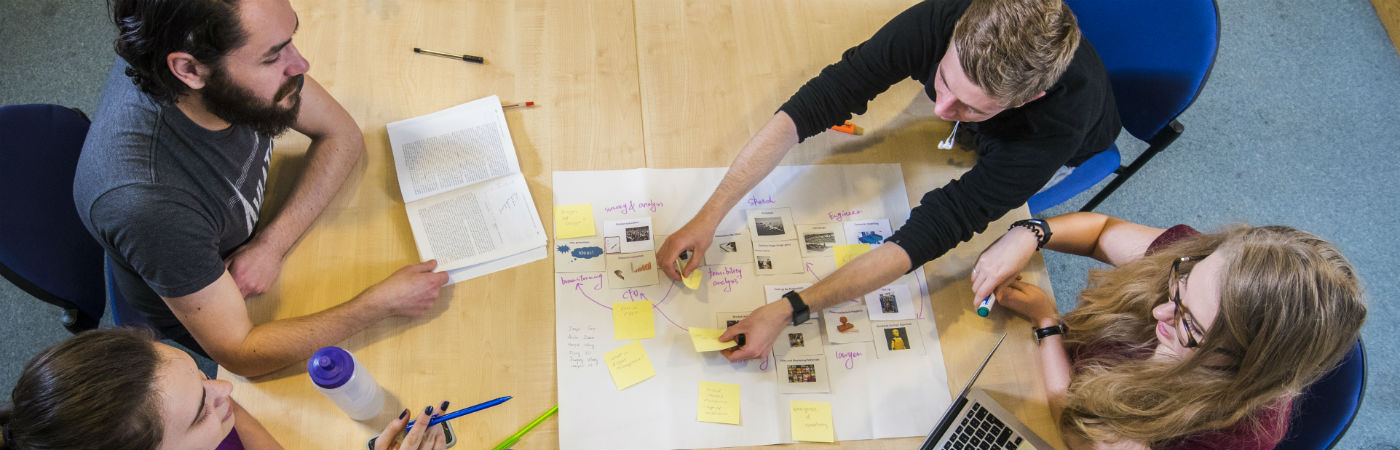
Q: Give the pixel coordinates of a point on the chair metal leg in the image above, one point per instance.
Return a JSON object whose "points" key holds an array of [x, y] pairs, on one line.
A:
{"points": [[1156, 145], [77, 322]]}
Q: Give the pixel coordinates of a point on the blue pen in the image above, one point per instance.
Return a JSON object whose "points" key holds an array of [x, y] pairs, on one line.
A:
{"points": [[461, 412], [984, 307]]}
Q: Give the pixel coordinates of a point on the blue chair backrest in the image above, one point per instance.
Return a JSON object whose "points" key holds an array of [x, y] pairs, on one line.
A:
{"points": [[1157, 52], [41, 237], [1322, 413]]}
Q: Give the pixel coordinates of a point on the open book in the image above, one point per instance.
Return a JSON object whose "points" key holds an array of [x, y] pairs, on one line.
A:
{"points": [[467, 202]]}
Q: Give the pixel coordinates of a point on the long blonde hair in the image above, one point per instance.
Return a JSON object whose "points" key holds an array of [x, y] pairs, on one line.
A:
{"points": [[1290, 308]]}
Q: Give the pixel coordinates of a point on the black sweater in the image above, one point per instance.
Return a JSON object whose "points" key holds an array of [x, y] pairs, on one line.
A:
{"points": [[1018, 150]]}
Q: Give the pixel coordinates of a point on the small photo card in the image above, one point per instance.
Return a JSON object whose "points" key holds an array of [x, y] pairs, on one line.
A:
{"points": [[774, 258], [774, 293], [771, 225], [629, 270], [897, 338], [802, 375], [579, 255], [801, 340], [871, 232], [820, 239], [729, 249], [631, 235], [847, 322], [893, 302]]}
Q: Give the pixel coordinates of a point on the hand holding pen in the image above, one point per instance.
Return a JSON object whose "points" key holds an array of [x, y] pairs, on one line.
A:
{"points": [[421, 438]]}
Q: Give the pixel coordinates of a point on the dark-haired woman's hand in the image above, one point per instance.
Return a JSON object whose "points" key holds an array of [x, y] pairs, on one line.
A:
{"points": [[419, 438], [1028, 300]]}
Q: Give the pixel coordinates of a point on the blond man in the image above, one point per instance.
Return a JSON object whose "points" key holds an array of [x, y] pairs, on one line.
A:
{"points": [[1015, 71]]}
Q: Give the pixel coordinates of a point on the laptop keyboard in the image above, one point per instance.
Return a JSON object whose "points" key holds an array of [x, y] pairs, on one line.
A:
{"points": [[980, 429]]}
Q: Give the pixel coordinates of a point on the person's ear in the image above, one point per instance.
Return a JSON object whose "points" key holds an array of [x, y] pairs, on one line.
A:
{"points": [[1037, 96], [188, 69]]}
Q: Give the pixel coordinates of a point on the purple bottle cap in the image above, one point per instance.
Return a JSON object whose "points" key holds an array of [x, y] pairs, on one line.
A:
{"points": [[330, 367]]}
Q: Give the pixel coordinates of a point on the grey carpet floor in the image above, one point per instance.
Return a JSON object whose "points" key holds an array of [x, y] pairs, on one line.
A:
{"points": [[1297, 126]]}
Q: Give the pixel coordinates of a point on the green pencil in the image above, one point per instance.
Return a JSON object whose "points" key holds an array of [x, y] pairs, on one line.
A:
{"points": [[519, 434]]}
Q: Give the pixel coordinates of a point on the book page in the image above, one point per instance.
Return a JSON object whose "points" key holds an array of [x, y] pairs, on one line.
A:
{"points": [[480, 223], [452, 148]]}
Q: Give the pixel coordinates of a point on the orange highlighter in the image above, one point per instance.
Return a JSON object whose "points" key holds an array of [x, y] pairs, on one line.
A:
{"points": [[849, 128]]}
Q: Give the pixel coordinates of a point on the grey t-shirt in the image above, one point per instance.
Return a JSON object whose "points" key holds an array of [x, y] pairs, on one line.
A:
{"points": [[168, 199]]}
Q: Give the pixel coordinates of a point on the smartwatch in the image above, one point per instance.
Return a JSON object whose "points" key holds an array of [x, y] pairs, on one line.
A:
{"points": [[800, 311], [1042, 333]]}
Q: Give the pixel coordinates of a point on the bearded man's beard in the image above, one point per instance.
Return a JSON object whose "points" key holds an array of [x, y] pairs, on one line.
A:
{"points": [[240, 106]]}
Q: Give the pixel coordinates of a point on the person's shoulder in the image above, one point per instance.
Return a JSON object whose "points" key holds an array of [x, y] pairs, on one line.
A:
{"points": [[122, 102], [941, 15], [1171, 236], [138, 207]]}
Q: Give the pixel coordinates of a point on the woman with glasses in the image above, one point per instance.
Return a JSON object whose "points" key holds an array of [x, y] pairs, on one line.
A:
{"points": [[1191, 340], [118, 389]]}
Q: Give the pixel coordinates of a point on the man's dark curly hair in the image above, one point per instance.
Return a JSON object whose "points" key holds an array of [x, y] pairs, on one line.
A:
{"points": [[150, 30]]}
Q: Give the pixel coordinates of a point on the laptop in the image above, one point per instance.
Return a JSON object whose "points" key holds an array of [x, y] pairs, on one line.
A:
{"points": [[975, 421]]}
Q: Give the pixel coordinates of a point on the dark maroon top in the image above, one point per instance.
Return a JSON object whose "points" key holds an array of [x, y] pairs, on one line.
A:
{"points": [[1241, 436], [232, 442]]}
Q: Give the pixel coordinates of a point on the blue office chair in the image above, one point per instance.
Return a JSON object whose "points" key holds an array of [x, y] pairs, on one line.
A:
{"points": [[1326, 408], [44, 249], [1158, 54]]}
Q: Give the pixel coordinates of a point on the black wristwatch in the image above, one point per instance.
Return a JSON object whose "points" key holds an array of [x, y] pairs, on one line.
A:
{"points": [[800, 311], [1042, 333], [1037, 226]]}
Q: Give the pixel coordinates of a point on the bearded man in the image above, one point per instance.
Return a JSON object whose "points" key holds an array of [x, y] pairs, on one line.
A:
{"points": [[172, 177]]}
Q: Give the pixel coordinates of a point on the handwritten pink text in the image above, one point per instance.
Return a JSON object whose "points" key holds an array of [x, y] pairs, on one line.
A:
{"points": [[850, 358], [842, 215], [755, 201], [579, 280], [632, 206], [725, 277]]}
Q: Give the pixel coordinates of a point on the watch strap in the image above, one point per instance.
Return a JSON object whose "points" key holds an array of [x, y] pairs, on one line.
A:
{"points": [[800, 311], [1042, 333], [1037, 226]]}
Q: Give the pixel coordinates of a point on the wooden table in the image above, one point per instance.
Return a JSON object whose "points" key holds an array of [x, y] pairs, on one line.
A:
{"points": [[621, 84]]}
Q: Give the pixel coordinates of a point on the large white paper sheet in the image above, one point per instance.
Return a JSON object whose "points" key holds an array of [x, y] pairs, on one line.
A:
{"points": [[870, 397]]}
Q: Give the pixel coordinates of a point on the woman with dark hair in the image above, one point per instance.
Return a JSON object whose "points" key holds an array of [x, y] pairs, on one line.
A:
{"points": [[1191, 340], [119, 389]]}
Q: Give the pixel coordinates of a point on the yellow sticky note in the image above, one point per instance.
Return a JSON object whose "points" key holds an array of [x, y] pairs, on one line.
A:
{"points": [[811, 422], [571, 221], [692, 282], [629, 365], [633, 320], [707, 340], [847, 252], [719, 403]]}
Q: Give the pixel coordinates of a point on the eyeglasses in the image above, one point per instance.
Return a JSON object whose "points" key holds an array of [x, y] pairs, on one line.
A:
{"points": [[1186, 323]]}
